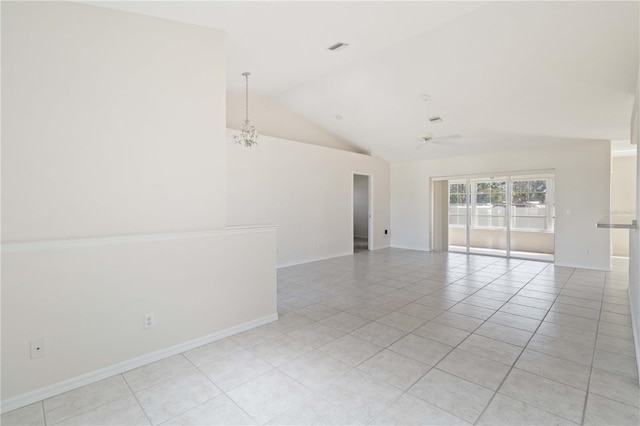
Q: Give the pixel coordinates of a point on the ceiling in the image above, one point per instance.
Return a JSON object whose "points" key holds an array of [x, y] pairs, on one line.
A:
{"points": [[502, 75]]}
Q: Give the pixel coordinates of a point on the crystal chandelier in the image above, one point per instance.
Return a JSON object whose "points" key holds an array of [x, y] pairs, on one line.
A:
{"points": [[248, 135]]}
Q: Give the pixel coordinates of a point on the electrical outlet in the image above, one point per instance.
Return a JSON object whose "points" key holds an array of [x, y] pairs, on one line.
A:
{"points": [[37, 348], [149, 320]]}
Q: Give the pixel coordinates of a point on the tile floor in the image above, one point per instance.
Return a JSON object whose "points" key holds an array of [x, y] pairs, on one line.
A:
{"points": [[395, 337]]}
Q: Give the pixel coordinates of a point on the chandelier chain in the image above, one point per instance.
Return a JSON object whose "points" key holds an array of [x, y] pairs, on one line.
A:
{"points": [[248, 135]]}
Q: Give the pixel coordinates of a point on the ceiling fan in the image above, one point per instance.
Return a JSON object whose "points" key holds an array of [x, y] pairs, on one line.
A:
{"points": [[429, 138]]}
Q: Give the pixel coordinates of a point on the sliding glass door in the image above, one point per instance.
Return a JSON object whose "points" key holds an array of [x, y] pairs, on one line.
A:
{"points": [[488, 227], [532, 217], [508, 216], [458, 215]]}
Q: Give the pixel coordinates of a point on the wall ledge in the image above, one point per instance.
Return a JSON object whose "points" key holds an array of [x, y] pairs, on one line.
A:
{"points": [[26, 246], [104, 373]]}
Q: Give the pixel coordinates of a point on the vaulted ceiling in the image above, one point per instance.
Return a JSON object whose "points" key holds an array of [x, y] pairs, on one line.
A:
{"points": [[501, 75]]}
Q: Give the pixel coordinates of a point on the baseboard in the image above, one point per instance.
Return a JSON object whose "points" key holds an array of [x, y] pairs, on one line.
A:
{"points": [[409, 247], [103, 373], [591, 267], [313, 259], [635, 324]]}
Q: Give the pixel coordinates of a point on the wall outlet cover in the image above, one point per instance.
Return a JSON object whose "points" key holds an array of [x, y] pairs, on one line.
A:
{"points": [[149, 320]]}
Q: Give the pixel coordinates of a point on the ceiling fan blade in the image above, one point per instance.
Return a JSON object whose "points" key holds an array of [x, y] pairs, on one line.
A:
{"points": [[423, 141], [445, 139]]}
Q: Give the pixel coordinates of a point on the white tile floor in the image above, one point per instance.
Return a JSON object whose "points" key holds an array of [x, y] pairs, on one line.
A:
{"points": [[395, 337]]}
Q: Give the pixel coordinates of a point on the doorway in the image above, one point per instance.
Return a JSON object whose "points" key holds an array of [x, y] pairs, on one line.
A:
{"points": [[362, 213]]}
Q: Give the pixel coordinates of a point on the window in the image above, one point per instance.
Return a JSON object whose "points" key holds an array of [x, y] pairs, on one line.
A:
{"points": [[458, 204], [530, 204], [490, 203]]}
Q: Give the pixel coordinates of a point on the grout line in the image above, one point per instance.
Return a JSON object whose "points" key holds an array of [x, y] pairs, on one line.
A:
{"points": [[44, 414], [136, 398], [471, 333], [594, 354], [516, 361], [593, 357], [383, 348], [222, 391], [92, 408], [406, 391]]}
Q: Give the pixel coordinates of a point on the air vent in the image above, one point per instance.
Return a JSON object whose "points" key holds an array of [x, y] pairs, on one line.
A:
{"points": [[435, 120], [338, 46]]}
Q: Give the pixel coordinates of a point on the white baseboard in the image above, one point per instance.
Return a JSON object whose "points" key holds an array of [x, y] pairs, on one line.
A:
{"points": [[635, 326], [313, 259], [580, 266], [403, 247], [103, 373]]}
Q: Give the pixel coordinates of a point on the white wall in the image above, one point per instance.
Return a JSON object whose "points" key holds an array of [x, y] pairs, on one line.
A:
{"points": [[271, 118], [306, 191], [114, 124], [88, 297], [107, 118], [623, 199], [360, 206], [582, 173]]}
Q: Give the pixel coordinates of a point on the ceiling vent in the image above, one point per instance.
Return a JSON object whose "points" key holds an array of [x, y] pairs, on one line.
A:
{"points": [[435, 120], [338, 46]]}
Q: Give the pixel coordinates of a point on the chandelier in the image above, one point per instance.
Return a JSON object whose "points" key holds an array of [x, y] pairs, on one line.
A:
{"points": [[248, 135]]}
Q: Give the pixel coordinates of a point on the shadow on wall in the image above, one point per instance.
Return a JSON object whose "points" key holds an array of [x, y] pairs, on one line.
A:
{"points": [[273, 119]]}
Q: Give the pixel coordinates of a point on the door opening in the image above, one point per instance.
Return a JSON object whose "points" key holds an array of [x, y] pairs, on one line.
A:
{"points": [[361, 213]]}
